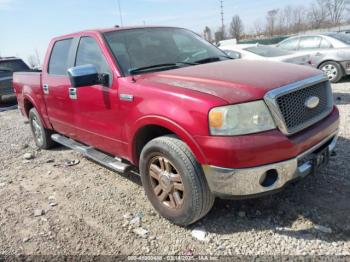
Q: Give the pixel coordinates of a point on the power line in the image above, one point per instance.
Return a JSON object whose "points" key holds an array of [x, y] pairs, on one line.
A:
{"points": [[222, 15]]}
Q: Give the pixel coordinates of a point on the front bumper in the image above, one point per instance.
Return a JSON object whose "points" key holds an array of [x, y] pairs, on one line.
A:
{"points": [[247, 182], [346, 66]]}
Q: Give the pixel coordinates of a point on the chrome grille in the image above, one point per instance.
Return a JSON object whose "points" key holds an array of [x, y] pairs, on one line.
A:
{"points": [[287, 104]]}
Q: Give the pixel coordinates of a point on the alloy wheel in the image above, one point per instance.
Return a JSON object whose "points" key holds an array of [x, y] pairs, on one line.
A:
{"points": [[330, 70], [166, 182]]}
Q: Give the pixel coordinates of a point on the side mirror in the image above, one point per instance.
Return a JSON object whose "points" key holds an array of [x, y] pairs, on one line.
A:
{"points": [[233, 54], [86, 75]]}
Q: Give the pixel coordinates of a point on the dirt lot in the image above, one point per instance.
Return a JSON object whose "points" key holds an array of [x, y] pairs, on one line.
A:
{"points": [[49, 207]]}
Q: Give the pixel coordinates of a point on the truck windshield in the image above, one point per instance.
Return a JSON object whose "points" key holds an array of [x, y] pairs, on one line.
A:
{"points": [[150, 49], [13, 65]]}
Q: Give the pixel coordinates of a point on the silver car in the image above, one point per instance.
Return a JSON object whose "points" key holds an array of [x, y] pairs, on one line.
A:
{"points": [[329, 52], [268, 53]]}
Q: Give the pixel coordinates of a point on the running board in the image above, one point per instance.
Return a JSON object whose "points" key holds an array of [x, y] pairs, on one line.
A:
{"points": [[99, 157]]}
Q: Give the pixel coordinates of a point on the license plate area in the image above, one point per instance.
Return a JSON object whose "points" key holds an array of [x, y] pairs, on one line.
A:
{"points": [[321, 158]]}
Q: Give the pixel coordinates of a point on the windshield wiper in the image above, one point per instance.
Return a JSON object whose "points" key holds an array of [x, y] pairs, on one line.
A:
{"points": [[159, 66], [211, 59]]}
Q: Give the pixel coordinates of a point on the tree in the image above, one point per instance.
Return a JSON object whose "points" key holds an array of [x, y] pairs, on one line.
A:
{"points": [[258, 27], [236, 27], [288, 15], [336, 9], [318, 14], [219, 35], [207, 34], [271, 21], [299, 15], [34, 60]]}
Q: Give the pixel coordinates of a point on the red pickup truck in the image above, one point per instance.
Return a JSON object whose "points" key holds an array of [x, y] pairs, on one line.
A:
{"points": [[195, 123]]}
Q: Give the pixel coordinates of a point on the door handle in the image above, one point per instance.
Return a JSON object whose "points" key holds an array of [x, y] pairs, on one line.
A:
{"points": [[46, 89], [73, 93]]}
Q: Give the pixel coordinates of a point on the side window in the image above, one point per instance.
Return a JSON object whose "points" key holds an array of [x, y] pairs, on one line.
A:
{"points": [[291, 44], [325, 44], [89, 52], [59, 58], [310, 42]]}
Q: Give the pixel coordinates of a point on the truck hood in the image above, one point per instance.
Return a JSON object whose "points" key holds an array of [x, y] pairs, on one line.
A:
{"points": [[234, 81]]}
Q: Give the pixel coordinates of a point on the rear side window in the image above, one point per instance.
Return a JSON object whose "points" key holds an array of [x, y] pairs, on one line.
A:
{"points": [[290, 44], [89, 52], [59, 60], [310, 42], [325, 43]]}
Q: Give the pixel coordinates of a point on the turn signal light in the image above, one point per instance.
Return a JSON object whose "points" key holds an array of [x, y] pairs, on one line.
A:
{"points": [[216, 119]]}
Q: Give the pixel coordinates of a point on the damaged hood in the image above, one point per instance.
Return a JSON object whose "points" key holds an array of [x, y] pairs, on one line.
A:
{"points": [[234, 80]]}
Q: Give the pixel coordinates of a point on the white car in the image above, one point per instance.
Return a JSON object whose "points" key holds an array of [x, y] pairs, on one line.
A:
{"points": [[269, 53]]}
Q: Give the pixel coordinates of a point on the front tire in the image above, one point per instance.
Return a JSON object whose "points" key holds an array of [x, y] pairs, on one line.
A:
{"points": [[333, 71], [42, 136], [174, 181]]}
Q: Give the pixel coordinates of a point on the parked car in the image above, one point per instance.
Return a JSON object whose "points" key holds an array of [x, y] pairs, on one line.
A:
{"points": [[9, 65], [329, 52], [227, 42], [195, 124], [269, 53]]}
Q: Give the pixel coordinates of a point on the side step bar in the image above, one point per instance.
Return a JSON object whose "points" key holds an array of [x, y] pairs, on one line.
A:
{"points": [[92, 153]]}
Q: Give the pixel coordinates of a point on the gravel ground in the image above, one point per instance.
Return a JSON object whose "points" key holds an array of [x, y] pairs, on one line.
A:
{"points": [[48, 207]]}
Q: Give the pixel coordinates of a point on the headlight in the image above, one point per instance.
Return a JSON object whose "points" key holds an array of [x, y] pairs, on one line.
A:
{"points": [[242, 119]]}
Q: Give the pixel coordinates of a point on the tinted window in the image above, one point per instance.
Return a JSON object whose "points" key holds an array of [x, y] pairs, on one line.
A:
{"points": [[138, 48], [89, 52], [267, 51], [13, 65], [290, 44], [59, 60], [310, 42]]}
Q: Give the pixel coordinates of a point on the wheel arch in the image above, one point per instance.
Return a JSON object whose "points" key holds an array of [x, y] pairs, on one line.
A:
{"points": [[330, 60], [28, 104], [151, 127]]}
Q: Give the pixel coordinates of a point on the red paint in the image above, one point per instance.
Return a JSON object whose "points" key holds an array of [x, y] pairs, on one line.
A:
{"points": [[178, 100]]}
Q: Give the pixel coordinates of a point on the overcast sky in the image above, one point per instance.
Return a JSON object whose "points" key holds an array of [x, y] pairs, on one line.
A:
{"points": [[26, 25]]}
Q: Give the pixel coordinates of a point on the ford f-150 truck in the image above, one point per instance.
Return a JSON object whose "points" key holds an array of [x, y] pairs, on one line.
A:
{"points": [[193, 122]]}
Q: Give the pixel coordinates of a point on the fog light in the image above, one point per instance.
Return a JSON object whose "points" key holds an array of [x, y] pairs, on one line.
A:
{"points": [[269, 178]]}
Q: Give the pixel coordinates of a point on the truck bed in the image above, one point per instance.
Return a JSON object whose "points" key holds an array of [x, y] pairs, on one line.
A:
{"points": [[27, 84]]}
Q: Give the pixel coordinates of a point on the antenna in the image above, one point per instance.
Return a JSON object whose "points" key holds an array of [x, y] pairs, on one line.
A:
{"points": [[222, 17], [120, 12]]}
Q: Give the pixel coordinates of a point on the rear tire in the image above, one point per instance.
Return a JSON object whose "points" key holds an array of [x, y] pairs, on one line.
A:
{"points": [[174, 181], [42, 136], [333, 70]]}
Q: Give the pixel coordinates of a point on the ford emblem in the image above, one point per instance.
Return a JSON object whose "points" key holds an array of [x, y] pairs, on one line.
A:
{"points": [[312, 102]]}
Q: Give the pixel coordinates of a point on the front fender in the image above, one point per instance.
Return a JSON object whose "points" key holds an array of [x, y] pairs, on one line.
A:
{"points": [[170, 125]]}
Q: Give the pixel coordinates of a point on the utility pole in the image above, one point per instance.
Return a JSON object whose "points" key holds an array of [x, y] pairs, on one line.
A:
{"points": [[120, 12], [222, 18]]}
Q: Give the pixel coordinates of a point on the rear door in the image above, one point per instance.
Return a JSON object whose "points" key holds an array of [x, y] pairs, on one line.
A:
{"points": [[309, 43], [56, 85]]}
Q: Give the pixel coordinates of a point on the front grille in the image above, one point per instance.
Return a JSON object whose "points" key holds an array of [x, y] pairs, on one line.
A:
{"points": [[288, 104], [293, 108]]}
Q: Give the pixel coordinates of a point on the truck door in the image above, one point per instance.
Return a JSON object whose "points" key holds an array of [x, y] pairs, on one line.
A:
{"points": [[56, 84], [97, 106]]}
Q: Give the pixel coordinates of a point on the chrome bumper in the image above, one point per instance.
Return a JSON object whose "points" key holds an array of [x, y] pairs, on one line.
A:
{"points": [[247, 182]]}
